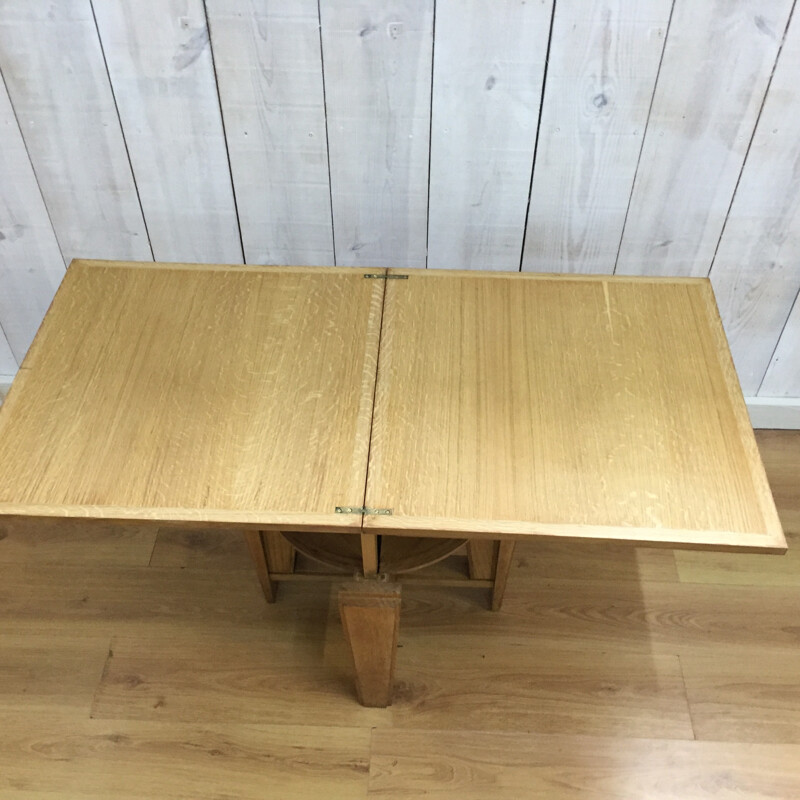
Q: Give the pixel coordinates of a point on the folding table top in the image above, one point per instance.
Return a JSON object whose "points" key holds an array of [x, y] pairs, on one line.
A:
{"points": [[475, 404]]}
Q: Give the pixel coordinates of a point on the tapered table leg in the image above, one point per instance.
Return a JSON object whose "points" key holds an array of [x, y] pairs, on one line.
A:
{"points": [[255, 544], [370, 612], [504, 555]]}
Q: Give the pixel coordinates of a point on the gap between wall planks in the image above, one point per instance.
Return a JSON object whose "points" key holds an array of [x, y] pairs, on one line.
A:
{"points": [[600, 81], [269, 71], [160, 64], [62, 97], [756, 272], [716, 67], [31, 266], [487, 82], [717, 62]]}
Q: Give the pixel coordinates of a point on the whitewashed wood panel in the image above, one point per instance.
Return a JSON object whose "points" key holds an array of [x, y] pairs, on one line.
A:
{"points": [[604, 59], [783, 376], [8, 364], [487, 81], [31, 265], [269, 70], [53, 66], [161, 69], [377, 67], [756, 273], [717, 62]]}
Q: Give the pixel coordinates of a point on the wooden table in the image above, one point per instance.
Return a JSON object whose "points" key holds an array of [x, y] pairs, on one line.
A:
{"points": [[379, 419]]}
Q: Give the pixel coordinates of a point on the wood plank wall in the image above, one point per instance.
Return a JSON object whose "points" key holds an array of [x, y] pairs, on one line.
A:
{"points": [[631, 136]]}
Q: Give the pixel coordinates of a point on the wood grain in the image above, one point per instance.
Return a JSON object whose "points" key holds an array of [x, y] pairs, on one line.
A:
{"points": [[756, 272], [717, 62], [473, 766], [487, 85], [269, 70], [584, 408], [370, 613], [194, 429], [59, 755], [604, 59], [161, 70], [63, 99], [31, 264], [377, 63]]}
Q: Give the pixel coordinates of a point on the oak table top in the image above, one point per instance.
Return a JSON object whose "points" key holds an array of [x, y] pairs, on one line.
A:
{"points": [[472, 404]]}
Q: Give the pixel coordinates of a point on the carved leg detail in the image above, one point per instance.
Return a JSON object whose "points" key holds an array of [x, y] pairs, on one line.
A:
{"points": [[504, 555], [370, 612], [255, 543]]}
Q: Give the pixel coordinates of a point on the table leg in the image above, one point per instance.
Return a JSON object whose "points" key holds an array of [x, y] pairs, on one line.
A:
{"points": [[482, 557], [504, 555], [370, 612], [255, 543], [280, 554]]}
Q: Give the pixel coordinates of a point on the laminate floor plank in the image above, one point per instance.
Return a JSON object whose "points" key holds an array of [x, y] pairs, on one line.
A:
{"points": [[472, 765], [745, 700], [59, 757]]}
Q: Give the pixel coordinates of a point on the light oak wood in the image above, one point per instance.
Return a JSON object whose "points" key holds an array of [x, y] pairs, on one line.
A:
{"points": [[370, 612], [396, 554], [255, 544], [179, 368], [482, 557], [593, 408], [280, 553], [505, 553], [369, 554]]}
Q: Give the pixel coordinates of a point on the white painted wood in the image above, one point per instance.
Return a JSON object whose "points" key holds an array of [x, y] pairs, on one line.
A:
{"points": [[774, 413], [53, 67], [31, 265], [8, 364], [377, 66], [783, 376], [161, 69], [604, 59], [756, 274], [717, 62], [487, 80], [269, 71]]}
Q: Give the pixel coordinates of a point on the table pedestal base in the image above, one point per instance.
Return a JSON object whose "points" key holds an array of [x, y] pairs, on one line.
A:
{"points": [[369, 606], [370, 612]]}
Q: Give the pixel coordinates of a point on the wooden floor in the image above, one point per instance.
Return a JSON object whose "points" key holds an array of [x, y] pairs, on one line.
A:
{"points": [[139, 664]]}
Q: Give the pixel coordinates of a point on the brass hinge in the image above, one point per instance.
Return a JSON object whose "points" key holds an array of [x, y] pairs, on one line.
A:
{"points": [[383, 277], [362, 510]]}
